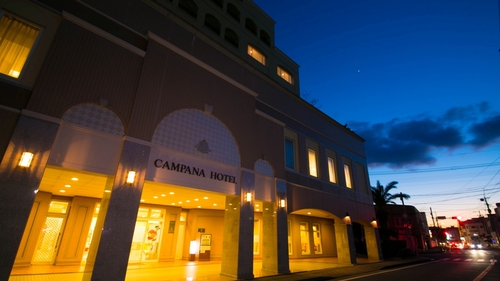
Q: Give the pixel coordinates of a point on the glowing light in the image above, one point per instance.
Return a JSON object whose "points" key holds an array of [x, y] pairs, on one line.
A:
{"points": [[26, 158]]}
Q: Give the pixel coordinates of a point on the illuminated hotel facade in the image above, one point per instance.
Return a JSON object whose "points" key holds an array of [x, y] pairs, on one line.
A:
{"points": [[168, 129]]}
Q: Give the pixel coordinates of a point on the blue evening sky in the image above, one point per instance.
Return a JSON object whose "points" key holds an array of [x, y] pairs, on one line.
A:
{"points": [[418, 79]]}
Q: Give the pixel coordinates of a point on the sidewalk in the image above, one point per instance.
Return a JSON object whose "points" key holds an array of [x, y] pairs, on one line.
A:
{"points": [[344, 271]]}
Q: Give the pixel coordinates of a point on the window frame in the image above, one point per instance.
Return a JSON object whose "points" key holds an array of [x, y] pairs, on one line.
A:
{"points": [[31, 50], [284, 74], [252, 49], [293, 138]]}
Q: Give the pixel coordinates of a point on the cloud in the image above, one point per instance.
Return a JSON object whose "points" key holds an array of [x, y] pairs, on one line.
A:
{"points": [[410, 142]]}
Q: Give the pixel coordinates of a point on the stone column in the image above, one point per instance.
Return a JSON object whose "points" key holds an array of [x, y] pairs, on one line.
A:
{"points": [[373, 246], [237, 247], [346, 251], [282, 229], [116, 238], [18, 186], [269, 239]]}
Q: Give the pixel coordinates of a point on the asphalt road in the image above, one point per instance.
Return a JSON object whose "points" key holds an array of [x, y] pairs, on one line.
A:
{"points": [[457, 265]]}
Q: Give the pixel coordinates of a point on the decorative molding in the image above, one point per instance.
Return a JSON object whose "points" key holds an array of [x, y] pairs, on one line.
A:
{"points": [[198, 62], [270, 118], [103, 33], [41, 116]]}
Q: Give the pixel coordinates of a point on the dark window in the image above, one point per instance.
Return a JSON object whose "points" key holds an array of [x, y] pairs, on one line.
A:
{"points": [[250, 25], [231, 37], [265, 37], [289, 154], [189, 7], [233, 11], [219, 3], [212, 23]]}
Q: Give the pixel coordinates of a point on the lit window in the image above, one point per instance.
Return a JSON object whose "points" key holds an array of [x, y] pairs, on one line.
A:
{"points": [[289, 154], [313, 171], [347, 172], [285, 75], [331, 170], [258, 56], [16, 41]]}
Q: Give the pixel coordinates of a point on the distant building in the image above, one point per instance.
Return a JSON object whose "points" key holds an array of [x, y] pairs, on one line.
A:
{"points": [[410, 225], [156, 130]]}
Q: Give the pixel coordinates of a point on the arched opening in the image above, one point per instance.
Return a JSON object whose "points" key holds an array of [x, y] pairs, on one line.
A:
{"points": [[212, 23], [251, 26], [189, 7], [231, 37], [233, 11], [264, 37]]}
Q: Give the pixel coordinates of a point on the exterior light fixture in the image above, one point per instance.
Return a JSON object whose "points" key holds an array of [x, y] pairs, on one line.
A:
{"points": [[26, 158], [374, 223], [130, 177], [347, 218], [282, 203], [248, 197]]}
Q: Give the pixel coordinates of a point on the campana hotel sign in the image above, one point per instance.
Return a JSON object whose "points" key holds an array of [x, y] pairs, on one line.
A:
{"points": [[179, 167]]}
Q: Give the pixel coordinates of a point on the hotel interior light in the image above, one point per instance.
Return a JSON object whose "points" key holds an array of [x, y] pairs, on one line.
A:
{"points": [[248, 197], [131, 177], [282, 203], [374, 223], [26, 158]]}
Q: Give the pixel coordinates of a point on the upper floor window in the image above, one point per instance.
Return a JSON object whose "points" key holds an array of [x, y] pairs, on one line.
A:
{"points": [[233, 11], [264, 37], [313, 167], [257, 55], [285, 75], [332, 175], [250, 25], [212, 23], [189, 7], [218, 3], [231, 37], [17, 38], [289, 154], [348, 178]]}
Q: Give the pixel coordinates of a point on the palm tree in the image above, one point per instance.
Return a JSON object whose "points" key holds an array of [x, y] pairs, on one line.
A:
{"points": [[382, 197]]}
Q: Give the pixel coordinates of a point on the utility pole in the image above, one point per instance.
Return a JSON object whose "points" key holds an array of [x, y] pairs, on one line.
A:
{"points": [[432, 216], [492, 221]]}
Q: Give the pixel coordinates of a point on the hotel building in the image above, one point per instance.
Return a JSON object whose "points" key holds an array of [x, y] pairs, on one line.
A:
{"points": [[156, 130]]}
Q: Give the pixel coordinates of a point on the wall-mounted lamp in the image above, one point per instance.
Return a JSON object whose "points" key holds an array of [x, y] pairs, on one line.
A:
{"points": [[248, 197], [374, 223], [282, 203], [347, 218], [131, 177], [26, 158]]}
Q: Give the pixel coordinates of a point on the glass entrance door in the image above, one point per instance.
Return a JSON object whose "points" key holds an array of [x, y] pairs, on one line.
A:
{"points": [[48, 242]]}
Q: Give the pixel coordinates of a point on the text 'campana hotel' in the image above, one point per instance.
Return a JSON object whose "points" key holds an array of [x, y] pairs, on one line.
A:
{"points": [[161, 130]]}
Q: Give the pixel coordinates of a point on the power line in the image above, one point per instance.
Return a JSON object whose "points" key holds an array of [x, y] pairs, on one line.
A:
{"points": [[439, 169]]}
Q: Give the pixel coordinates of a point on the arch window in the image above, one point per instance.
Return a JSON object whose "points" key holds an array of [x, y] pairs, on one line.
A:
{"points": [[212, 23], [219, 3], [231, 37], [264, 37], [251, 26], [189, 7], [233, 11]]}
